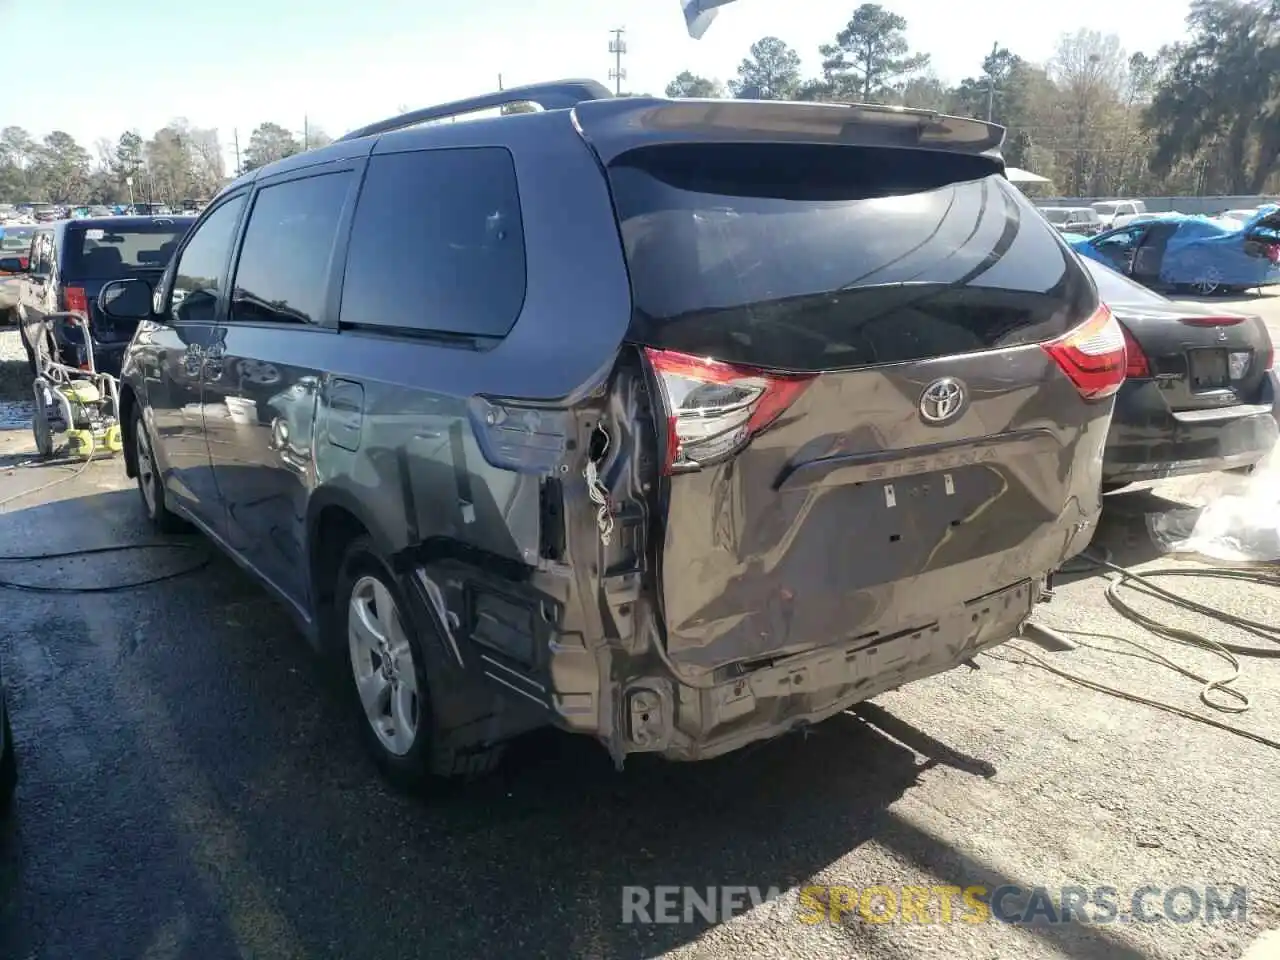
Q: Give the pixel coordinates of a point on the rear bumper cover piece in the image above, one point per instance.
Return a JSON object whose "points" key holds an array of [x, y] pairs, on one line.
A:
{"points": [[1147, 442], [682, 722], [655, 711]]}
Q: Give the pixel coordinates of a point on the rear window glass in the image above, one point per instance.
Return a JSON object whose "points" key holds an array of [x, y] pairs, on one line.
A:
{"points": [[819, 258], [437, 244], [112, 253], [16, 239], [1056, 214]]}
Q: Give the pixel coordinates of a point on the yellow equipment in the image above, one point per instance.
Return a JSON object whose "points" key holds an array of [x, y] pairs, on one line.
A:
{"points": [[79, 402]]}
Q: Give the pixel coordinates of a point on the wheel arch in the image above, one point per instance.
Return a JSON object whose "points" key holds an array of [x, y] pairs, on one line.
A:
{"points": [[128, 404], [335, 517]]}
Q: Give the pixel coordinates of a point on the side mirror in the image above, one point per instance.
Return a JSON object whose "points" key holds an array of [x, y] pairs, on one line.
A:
{"points": [[126, 299], [12, 265]]}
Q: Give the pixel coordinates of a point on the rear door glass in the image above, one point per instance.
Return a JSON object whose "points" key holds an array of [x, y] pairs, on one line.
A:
{"points": [[813, 258], [437, 244], [113, 253]]}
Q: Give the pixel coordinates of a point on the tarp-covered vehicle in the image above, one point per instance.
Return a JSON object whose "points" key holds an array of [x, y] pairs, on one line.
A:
{"points": [[1192, 252]]}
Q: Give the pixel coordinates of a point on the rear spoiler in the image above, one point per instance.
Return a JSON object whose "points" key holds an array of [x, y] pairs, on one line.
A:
{"points": [[616, 126]]}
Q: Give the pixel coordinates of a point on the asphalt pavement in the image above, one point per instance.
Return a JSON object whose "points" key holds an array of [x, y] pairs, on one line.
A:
{"points": [[193, 787]]}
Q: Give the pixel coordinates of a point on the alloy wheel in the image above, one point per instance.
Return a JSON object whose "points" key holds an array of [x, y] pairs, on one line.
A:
{"points": [[146, 468], [382, 665]]}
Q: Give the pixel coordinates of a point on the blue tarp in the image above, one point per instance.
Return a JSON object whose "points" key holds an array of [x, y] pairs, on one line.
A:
{"points": [[1179, 249]]}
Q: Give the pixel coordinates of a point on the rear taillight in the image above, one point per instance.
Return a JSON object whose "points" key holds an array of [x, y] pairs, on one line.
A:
{"points": [[1092, 355], [1136, 366], [75, 301], [713, 409], [1211, 321]]}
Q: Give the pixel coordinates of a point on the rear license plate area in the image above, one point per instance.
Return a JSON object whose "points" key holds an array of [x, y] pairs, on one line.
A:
{"points": [[918, 507], [1208, 369]]}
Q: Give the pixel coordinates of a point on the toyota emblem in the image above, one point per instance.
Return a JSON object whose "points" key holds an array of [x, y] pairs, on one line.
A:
{"points": [[942, 401]]}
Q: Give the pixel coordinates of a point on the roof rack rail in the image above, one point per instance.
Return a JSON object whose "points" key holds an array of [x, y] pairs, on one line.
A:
{"points": [[556, 95]]}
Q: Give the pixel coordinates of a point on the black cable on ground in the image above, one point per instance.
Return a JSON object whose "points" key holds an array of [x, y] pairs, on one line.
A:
{"points": [[1212, 690], [91, 551]]}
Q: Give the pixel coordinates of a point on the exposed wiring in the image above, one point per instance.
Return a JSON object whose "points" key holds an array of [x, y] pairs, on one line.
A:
{"points": [[598, 492], [1214, 692]]}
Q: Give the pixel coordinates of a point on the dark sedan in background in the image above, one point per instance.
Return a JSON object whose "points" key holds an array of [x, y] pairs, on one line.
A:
{"points": [[1200, 392]]}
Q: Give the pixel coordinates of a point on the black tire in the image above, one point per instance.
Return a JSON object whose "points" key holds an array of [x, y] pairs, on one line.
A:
{"points": [[431, 760], [153, 500], [8, 767], [41, 428], [31, 357]]}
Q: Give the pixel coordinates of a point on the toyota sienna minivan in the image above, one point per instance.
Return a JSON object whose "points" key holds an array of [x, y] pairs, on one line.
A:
{"points": [[675, 423]]}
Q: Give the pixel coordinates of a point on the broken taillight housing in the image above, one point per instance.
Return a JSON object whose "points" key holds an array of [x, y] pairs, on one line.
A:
{"points": [[1092, 355], [713, 409]]}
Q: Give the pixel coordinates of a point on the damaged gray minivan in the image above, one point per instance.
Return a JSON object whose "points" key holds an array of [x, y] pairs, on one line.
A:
{"points": [[679, 424]]}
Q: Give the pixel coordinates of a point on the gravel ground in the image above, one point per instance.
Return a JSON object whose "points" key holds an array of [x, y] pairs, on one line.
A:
{"points": [[191, 791], [15, 407]]}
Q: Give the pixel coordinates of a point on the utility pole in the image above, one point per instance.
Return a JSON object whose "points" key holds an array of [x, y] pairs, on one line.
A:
{"points": [[306, 133], [617, 46], [235, 136], [500, 87], [991, 81]]}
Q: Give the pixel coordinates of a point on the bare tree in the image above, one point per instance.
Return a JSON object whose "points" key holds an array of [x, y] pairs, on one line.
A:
{"points": [[104, 152], [208, 163], [1090, 72]]}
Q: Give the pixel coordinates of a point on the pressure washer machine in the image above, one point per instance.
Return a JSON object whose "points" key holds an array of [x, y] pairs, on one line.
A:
{"points": [[79, 404]]}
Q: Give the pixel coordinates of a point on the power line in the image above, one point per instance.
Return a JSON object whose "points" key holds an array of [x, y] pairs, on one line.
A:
{"points": [[617, 46]]}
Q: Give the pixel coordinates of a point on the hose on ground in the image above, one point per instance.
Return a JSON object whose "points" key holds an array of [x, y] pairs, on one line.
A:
{"points": [[1216, 693], [66, 477], [93, 551]]}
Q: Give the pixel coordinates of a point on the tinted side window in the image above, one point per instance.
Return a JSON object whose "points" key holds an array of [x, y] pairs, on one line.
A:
{"points": [[284, 260], [200, 265], [437, 244]]}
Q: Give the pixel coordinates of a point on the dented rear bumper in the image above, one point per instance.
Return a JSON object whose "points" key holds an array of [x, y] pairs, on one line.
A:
{"points": [[663, 715], [634, 702]]}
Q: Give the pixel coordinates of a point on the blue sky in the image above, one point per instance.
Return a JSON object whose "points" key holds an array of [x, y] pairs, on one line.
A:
{"points": [[233, 64]]}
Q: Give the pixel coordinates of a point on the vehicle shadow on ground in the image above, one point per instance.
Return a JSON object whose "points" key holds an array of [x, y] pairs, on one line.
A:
{"points": [[193, 780]]}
